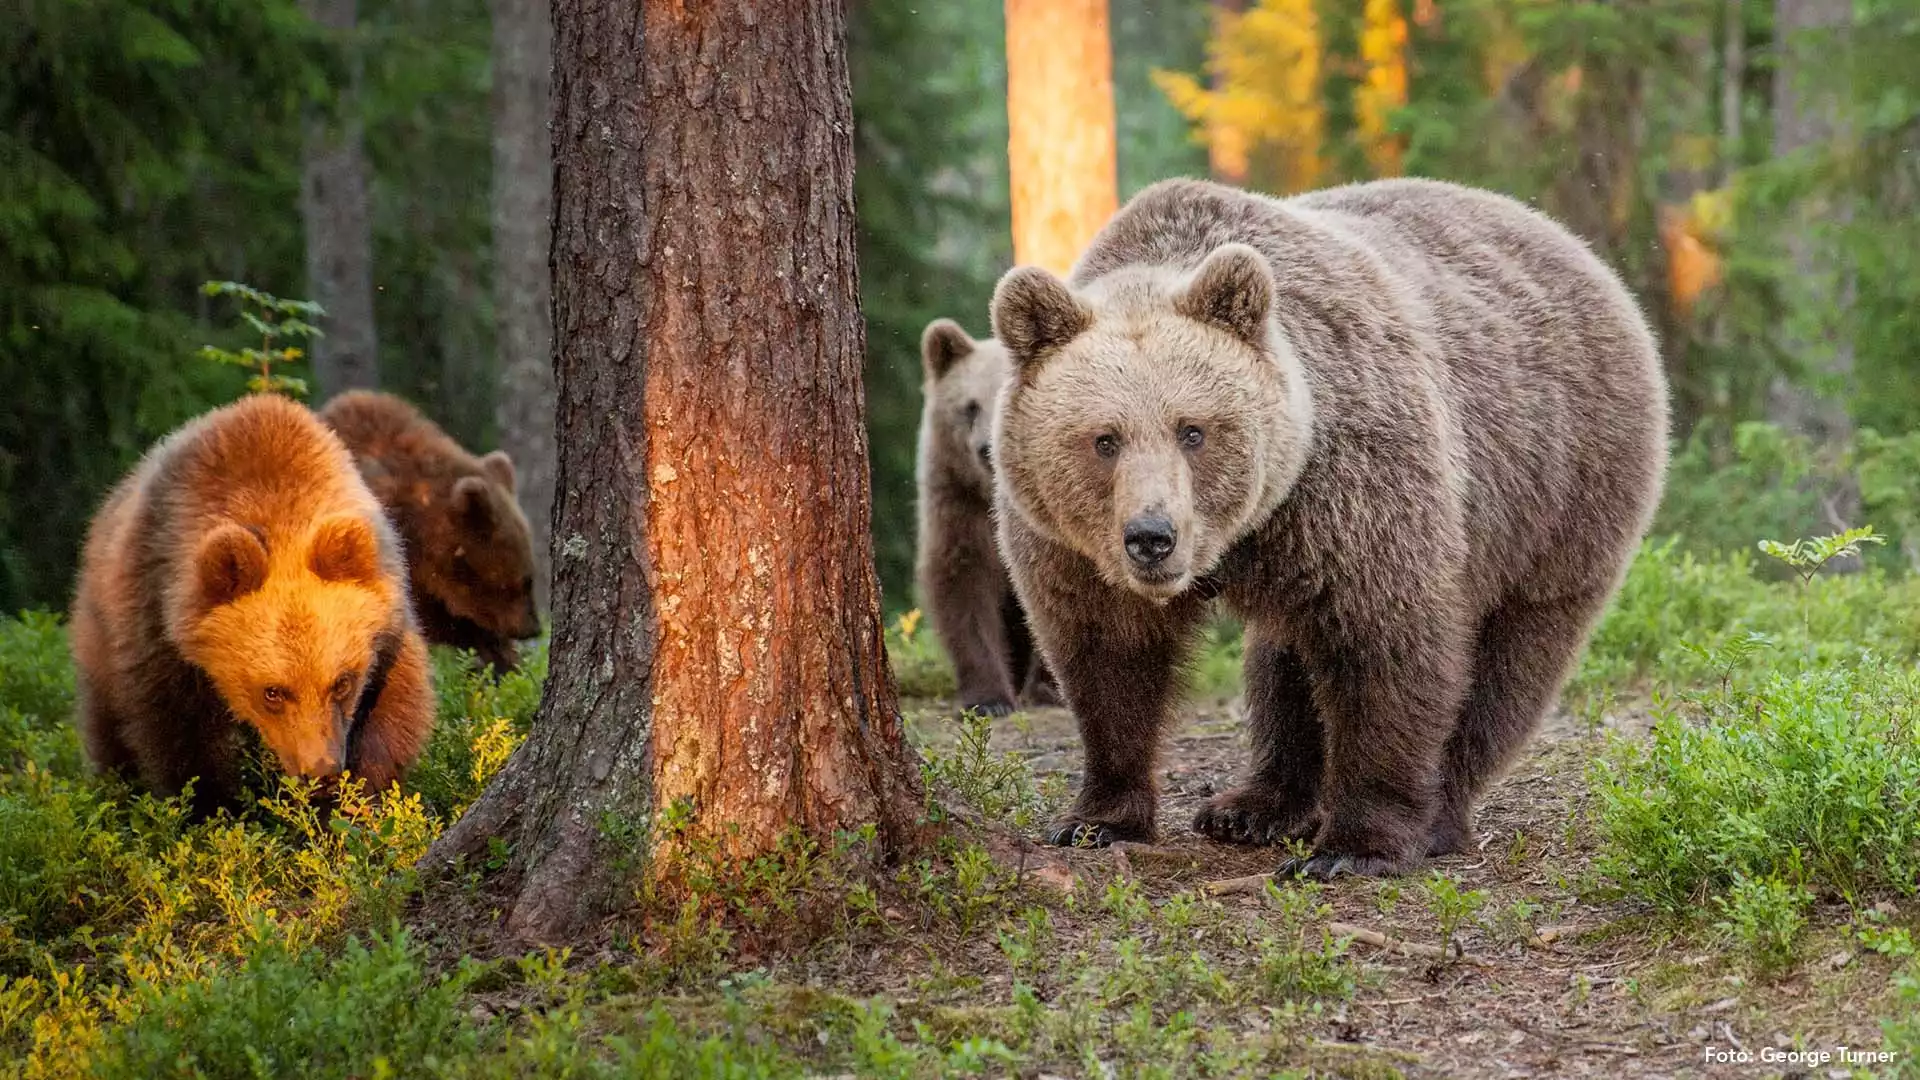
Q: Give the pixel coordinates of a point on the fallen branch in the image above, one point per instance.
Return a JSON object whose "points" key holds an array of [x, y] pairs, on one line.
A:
{"points": [[1406, 948], [1232, 886]]}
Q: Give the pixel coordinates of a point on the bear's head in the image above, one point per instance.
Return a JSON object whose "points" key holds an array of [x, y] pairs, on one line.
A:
{"points": [[1155, 416], [291, 638], [482, 560], [963, 379]]}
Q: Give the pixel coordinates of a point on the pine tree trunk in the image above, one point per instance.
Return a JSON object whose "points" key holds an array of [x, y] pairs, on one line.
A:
{"points": [[339, 224], [522, 278], [1806, 112], [1060, 123], [717, 634]]}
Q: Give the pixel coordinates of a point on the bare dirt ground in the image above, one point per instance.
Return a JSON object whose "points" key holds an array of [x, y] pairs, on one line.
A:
{"points": [[1553, 983]]}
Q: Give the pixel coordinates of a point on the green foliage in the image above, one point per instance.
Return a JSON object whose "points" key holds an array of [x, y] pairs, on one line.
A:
{"points": [[1808, 556], [274, 320], [1762, 918], [1452, 908], [371, 1011], [1810, 779], [999, 785]]}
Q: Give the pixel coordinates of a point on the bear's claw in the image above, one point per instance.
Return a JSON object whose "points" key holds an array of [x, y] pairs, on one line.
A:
{"points": [[1327, 865], [1242, 816], [994, 707]]}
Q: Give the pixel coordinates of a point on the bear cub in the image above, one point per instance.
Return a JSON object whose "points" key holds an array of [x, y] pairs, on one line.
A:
{"points": [[962, 581], [469, 551], [1411, 433], [242, 576]]}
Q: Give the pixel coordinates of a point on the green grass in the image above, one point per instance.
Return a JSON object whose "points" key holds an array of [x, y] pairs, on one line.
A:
{"points": [[1780, 783]]}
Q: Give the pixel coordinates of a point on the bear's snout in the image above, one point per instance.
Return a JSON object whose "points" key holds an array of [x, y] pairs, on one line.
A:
{"points": [[986, 455], [1150, 538]]}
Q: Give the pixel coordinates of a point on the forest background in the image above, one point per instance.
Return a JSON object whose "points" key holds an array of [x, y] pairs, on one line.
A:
{"points": [[1749, 167]]}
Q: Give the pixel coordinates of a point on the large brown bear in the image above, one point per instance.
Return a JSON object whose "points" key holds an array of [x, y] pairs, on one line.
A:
{"points": [[1412, 433], [962, 582], [469, 550], [244, 576]]}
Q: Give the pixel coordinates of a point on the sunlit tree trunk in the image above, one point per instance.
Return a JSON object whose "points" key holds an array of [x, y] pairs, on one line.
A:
{"points": [[522, 295], [1806, 113], [339, 224], [717, 639], [1060, 123]]}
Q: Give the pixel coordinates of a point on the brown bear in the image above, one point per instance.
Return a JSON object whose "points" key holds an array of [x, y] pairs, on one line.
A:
{"points": [[469, 551], [242, 576], [962, 582], [1411, 433]]}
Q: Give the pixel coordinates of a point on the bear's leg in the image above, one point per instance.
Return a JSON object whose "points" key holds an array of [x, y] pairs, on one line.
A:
{"points": [[1388, 695], [1279, 800], [967, 613], [1120, 679], [396, 718], [1526, 649]]}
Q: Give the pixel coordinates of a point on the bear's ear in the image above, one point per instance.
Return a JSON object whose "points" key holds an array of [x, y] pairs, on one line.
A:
{"points": [[942, 345], [471, 507], [1232, 290], [1035, 313], [344, 549], [499, 468], [231, 562]]}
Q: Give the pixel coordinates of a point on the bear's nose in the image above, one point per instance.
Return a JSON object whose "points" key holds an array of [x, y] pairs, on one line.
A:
{"points": [[1150, 539]]}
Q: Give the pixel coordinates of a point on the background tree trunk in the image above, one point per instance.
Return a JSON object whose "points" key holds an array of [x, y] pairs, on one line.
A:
{"points": [[522, 277], [1060, 125], [717, 632], [1806, 113], [339, 224]]}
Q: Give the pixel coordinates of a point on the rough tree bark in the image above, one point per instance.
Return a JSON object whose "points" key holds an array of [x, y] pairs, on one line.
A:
{"points": [[522, 294], [717, 633], [339, 223], [1060, 124], [1806, 112]]}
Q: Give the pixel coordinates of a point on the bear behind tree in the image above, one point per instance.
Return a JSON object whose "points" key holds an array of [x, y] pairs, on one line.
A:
{"points": [[1412, 433], [244, 576], [469, 551], [961, 579]]}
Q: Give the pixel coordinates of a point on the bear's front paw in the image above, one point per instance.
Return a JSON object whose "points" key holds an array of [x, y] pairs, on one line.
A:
{"points": [[1072, 832], [1255, 814], [994, 706], [1376, 845], [1327, 865]]}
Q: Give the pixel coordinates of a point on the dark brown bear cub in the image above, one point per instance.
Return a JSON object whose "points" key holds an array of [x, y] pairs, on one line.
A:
{"points": [[244, 577], [469, 553], [962, 581], [1410, 432]]}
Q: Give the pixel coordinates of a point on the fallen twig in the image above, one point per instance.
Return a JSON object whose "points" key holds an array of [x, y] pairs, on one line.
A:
{"points": [[1406, 948], [1230, 886]]}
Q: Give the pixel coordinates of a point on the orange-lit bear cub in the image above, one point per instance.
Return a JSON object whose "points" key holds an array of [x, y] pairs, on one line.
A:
{"points": [[244, 576]]}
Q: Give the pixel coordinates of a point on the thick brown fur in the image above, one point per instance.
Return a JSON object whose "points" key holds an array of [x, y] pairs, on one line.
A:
{"points": [[962, 582], [243, 576], [469, 551], [1412, 433]]}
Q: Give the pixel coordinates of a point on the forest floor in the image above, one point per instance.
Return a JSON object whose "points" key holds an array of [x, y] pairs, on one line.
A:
{"points": [[1547, 978]]}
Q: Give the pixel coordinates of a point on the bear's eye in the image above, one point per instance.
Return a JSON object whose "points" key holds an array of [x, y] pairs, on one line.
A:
{"points": [[1106, 445], [276, 697], [973, 411], [1191, 437], [343, 686]]}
